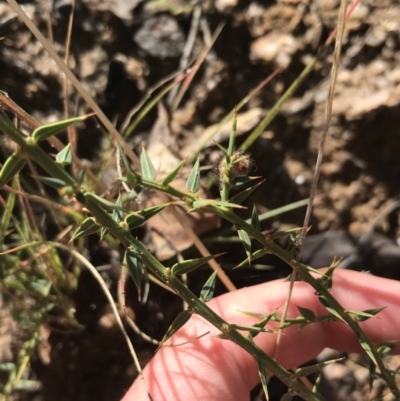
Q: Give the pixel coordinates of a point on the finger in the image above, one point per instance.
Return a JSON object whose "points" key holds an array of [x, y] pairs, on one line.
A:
{"points": [[214, 369]]}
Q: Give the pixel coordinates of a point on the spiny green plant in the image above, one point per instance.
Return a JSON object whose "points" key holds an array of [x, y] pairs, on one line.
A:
{"points": [[112, 218], [48, 281]]}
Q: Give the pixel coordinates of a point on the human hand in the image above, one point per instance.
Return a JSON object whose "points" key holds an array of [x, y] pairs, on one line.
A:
{"points": [[213, 369]]}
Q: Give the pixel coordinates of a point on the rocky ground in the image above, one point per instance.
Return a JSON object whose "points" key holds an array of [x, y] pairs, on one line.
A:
{"points": [[121, 49]]}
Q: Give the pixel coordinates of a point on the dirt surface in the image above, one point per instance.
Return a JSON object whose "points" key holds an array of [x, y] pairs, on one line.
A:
{"points": [[120, 50]]}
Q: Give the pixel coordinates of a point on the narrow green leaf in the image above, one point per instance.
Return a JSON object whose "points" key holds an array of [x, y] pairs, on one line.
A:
{"points": [[191, 264], [241, 196], [308, 314], [101, 201], [80, 176], [11, 167], [316, 386], [136, 219], [261, 325], [170, 176], [179, 322], [117, 213], [134, 263], [103, 233], [134, 193], [308, 370], [243, 179], [286, 233], [384, 350], [262, 371], [193, 181], [48, 130], [368, 350], [286, 397], [148, 169], [246, 241], [64, 156], [326, 281], [229, 204], [366, 314], [87, 227], [125, 160], [259, 253], [52, 182], [255, 222], [221, 148], [208, 202], [332, 311], [207, 292]]}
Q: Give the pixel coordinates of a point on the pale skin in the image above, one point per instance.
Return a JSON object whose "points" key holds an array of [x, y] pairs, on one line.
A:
{"points": [[217, 370]]}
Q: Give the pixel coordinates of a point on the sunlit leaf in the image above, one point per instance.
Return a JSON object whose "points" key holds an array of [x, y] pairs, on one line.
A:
{"points": [[241, 196], [103, 202], [384, 350], [366, 314], [326, 281], [208, 202], [11, 167], [229, 204], [103, 233], [134, 193], [171, 175], [262, 371], [52, 182], [117, 213], [136, 219], [308, 314], [87, 227], [80, 176], [246, 241], [316, 386], [286, 233], [332, 311], [191, 264], [64, 156], [308, 370], [261, 325], [179, 322], [243, 179], [221, 148], [148, 169], [259, 253], [193, 181], [207, 292], [48, 130]]}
